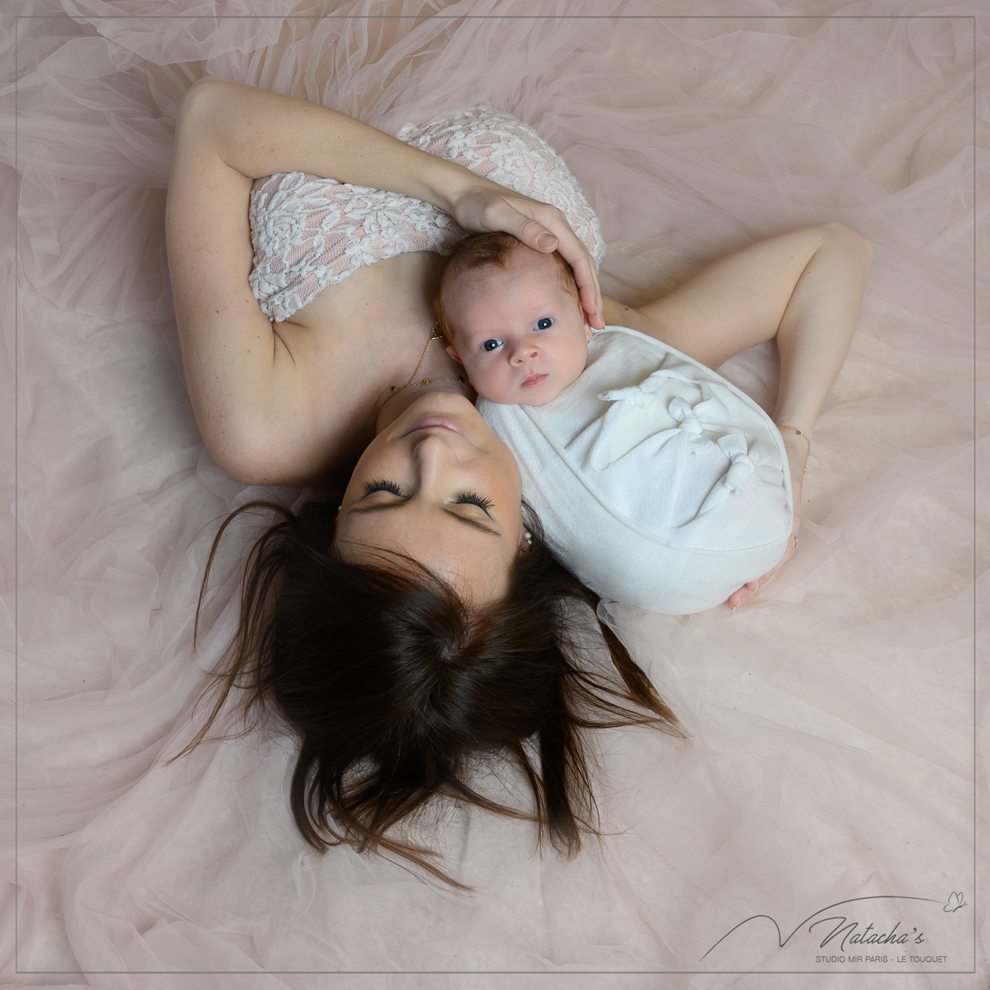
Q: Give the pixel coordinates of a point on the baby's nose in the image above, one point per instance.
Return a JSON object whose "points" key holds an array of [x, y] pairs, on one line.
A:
{"points": [[525, 352]]}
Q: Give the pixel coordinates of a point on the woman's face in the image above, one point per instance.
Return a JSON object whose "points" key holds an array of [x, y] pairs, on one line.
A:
{"points": [[439, 486]]}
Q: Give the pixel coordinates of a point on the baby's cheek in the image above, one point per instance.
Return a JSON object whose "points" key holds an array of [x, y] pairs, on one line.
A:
{"points": [[495, 388], [485, 385], [479, 380]]}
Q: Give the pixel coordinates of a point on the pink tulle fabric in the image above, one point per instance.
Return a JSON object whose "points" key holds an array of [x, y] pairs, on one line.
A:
{"points": [[834, 752]]}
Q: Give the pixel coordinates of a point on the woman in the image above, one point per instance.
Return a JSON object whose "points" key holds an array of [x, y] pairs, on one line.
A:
{"points": [[435, 497]]}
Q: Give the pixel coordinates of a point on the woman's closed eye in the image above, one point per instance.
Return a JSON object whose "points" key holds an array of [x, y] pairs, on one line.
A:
{"points": [[382, 486], [473, 498], [465, 498]]}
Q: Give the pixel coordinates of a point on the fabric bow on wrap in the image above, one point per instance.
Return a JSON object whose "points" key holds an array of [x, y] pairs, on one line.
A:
{"points": [[735, 446], [686, 418]]}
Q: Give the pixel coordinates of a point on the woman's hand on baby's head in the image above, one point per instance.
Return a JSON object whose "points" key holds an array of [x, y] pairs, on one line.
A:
{"points": [[538, 225]]}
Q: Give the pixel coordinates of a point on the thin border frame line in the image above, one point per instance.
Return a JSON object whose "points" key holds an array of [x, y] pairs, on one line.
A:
{"points": [[545, 17], [497, 17]]}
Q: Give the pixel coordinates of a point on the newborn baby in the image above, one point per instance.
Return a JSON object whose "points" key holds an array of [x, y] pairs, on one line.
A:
{"points": [[512, 317], [658, 482]]}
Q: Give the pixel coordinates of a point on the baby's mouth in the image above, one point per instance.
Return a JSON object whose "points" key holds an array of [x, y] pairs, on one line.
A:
{"points": [[533, 380]]}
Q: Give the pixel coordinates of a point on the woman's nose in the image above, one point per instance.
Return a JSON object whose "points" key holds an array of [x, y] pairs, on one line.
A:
{"points": [[433, 454]]}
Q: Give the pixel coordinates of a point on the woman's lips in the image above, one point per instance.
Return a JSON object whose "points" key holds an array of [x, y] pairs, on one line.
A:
{"points": [[437, 421], [534, 380]]}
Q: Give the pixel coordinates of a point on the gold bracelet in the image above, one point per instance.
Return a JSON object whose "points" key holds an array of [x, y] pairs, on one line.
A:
{"points": [[804, 436]]}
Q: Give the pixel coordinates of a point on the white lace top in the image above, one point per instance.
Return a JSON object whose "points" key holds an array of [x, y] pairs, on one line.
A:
{"points": [[309, 232]]}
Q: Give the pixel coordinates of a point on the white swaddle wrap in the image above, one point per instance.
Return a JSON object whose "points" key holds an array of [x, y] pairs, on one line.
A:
{"points": [[658, 482]]}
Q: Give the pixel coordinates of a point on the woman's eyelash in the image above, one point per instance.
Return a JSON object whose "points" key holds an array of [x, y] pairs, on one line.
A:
{"points": [[465, 498], [382, 486], [473, 498]]}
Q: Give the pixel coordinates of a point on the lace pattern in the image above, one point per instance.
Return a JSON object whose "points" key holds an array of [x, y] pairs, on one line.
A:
{"points": [[309, 232]]}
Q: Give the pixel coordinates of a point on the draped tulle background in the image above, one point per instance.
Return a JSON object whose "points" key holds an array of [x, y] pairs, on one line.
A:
{"points": [[834, 753]]}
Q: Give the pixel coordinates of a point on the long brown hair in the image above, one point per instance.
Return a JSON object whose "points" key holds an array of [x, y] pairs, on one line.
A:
{"points": [[392, 684]]}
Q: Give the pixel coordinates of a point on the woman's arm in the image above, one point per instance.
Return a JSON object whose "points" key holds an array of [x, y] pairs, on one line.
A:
{"points": [[258, 133], [253, 397], [239, 373], [803, 289]]}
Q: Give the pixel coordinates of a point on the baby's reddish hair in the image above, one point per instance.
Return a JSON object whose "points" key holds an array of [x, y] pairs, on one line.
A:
{"points": [[485, 251]]}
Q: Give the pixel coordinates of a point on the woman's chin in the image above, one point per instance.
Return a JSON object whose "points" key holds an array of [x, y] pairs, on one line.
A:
{"points": [[441, 401], [450, 403]]}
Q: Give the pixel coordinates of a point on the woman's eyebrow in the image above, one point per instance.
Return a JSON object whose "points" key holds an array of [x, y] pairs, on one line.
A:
{"points": [[383, 506]]}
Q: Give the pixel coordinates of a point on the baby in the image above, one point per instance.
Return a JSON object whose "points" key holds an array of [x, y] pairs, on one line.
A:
{"points": [[512, 317], [676, 477]]}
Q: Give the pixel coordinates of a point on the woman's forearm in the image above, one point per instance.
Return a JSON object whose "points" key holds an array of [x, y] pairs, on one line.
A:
{"points": [[255, 133], [812, 338], [258, 133], [818, 325]]}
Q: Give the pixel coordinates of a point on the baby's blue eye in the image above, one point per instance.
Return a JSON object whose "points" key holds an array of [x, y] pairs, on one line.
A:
{"points": [[491, 345], [545, 324]]}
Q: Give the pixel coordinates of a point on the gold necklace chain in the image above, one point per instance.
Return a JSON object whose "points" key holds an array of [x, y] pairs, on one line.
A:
{"points": [[435, 334]]}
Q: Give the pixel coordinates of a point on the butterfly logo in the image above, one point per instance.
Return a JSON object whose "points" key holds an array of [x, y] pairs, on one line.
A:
{"points": [[954, 903]]}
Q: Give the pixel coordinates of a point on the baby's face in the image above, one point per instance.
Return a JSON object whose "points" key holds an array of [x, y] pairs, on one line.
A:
{"points": [[519, 333]]}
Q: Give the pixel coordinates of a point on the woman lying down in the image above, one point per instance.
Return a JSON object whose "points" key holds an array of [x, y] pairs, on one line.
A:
{"points": [[424, 611]]}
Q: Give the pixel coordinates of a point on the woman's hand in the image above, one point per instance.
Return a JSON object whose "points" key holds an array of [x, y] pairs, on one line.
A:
{"points": [[538, 225], [257, 133], [797, 451]]}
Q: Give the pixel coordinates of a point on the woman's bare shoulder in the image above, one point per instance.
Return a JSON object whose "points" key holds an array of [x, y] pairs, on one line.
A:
{"points": [[345, 348]]}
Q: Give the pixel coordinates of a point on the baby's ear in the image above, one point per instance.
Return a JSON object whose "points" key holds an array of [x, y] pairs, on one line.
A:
{"points": [[453, 353]]}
